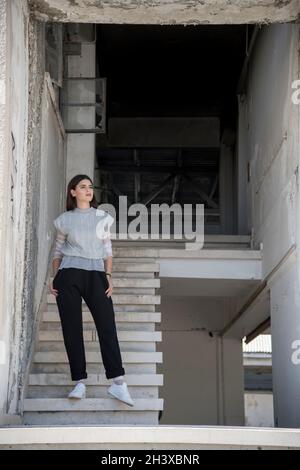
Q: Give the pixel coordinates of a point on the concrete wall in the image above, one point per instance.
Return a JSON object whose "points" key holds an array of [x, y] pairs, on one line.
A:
{"points": [[269, 141], [203, 375], [52, 182], [30, 169], [167, 11], [45, 196], [14, 84], [4, 146]]}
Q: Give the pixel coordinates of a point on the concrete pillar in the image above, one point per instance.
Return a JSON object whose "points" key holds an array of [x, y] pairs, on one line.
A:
{"points": [[230, 375], [80, 88], [80, 155], [285, 291], [242, 169], [226, 183], [285, 321]]}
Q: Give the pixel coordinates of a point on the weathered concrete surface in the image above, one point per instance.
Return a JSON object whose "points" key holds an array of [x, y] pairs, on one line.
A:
{"points": [[148, 437], [167, 11], [4, 145], [20, 160], [269, 142]]}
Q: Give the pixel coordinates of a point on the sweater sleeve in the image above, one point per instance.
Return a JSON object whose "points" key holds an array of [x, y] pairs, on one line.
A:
{"points": [[107, 248], [107, 240], [60, 224], [60, 240], [61, 236]]}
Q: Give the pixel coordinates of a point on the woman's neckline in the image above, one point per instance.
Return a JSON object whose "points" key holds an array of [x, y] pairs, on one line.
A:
{"points": [[88, 209]]}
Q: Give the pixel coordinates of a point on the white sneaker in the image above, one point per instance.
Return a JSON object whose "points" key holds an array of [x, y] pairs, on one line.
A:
{"points": [[78, 391], [120, 391]]}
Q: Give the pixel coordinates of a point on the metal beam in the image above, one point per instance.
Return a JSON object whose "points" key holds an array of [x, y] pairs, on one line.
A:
{"points": [[199, 191], [158, 190]]}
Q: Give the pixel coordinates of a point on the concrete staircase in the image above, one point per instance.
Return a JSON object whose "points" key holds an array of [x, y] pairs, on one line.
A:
{"points": [[135, 303]]}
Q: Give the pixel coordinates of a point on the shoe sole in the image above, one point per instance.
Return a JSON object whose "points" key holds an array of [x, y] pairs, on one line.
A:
{"points": [[113, 396]]}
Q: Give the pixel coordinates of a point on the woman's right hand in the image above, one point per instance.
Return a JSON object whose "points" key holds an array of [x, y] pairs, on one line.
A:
{"points": [[52, 290]]}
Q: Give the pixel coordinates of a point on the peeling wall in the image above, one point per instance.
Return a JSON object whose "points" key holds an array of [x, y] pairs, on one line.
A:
{"points": [[18, 43], [167, 11], [13, 196], [32, 210], [20, 183], [37, 173]]}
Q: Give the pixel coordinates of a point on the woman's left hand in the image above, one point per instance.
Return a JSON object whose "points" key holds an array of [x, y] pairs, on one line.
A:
{"points": [[109, 291]]}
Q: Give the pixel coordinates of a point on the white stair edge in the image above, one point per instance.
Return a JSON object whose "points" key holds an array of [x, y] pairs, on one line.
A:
{"points": [[91, 335], [139, 283], [132, 317], [138, 267], [91, 404], [131, 299], [94, 379], [95, 357]]}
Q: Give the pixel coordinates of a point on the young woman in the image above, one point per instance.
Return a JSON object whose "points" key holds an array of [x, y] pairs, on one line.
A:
{"points": [[81, 247]]}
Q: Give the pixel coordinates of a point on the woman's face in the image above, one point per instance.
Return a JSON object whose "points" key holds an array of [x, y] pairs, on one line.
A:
{"points": [[83, 191]]}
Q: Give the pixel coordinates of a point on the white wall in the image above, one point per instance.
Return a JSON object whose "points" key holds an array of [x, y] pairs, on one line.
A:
{"points": [[52, 179], [203, 377], [269, 140]]}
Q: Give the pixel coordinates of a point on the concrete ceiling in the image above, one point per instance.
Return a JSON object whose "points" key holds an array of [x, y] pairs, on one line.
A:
{"points": [[167, 11]]}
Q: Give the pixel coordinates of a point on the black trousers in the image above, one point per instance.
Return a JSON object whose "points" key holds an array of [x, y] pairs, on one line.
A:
{"points": [[73, 284]]}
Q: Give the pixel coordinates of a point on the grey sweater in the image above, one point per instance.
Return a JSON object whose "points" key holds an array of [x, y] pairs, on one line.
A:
{"points": [[83, 238]]}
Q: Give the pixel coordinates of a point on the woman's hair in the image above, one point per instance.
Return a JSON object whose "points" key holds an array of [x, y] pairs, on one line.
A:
{"points": [[71, 200]]}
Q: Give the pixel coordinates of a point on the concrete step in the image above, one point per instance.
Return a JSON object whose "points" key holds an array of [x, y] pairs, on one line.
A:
{"points": [[92, 367], [121, 317], [123, 326], [92, 391], [91, 418], [95, 379], [59, 385], [121, 282], [95, 357], [137, 267], [91, 404], [91, 335], [128, 251], [97, 411], [125, 346], [128, 299]]}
